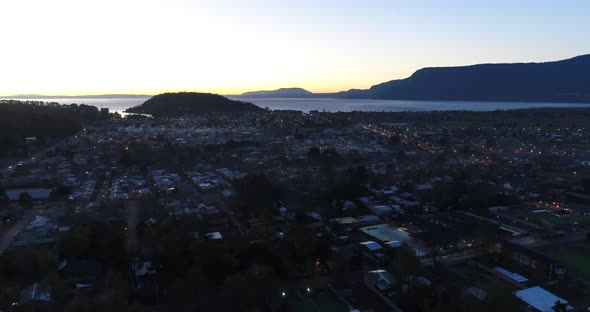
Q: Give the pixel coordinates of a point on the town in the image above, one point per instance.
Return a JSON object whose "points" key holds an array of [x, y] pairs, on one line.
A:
{"points": [[301, 211]]}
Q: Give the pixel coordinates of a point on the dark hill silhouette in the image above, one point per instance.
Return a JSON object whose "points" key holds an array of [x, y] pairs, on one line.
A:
{"points": [[560, 81], [280, 93], [188, 103]]}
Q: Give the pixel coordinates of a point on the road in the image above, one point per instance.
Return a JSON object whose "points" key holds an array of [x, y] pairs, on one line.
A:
{"points": [[8, 236], [452, 259], [6, 171], [132, 222]]}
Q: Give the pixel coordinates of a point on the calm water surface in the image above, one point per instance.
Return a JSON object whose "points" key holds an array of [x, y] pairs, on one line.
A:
{"points": [[332, 105]]}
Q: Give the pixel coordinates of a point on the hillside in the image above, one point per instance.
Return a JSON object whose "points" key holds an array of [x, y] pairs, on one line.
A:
{"points": [[189, 103], [560, 81], [280, 93], [45, 121]]}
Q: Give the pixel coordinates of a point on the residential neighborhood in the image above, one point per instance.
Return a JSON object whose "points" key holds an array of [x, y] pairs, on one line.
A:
{"points": [[294, 211]]}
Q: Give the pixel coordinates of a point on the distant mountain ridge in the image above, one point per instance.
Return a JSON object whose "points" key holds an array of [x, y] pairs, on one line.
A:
{"points": [[95, 96], [559, 81], [280, 93], [190, 103]]}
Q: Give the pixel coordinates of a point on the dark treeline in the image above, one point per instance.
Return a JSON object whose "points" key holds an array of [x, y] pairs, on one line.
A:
{"points": [[188, 103], [21, 119]]}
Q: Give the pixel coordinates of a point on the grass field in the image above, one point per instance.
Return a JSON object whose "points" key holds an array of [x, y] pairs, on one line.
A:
{"points": [[575, 257], [324, 301]]}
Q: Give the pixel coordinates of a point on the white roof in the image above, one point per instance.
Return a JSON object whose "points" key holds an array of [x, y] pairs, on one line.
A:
{"points": [[540, 299], [424, 187], [214, 235], [371, 245], [394, 244], [517, 277]]}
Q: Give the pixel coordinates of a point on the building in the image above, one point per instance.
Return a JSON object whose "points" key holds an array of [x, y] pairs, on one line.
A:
{"points": [[538, 264], [539, 299], [36, 193], [372, 251], [35, 295], [31, 140]]}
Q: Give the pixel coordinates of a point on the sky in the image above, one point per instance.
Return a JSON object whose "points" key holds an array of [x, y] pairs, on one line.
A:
{"points": [[74, 47]]}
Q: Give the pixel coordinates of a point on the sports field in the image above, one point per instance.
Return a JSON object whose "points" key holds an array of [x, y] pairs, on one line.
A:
{"points": [[324, 301], [552, 218], [574, 256]]}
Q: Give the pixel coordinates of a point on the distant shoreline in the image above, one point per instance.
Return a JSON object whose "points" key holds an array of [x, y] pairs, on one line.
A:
{"points": [[329, 104]]}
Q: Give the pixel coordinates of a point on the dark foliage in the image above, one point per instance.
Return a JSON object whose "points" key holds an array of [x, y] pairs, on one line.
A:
{"points": [[189, 103], [256, 195], [19, 120]]}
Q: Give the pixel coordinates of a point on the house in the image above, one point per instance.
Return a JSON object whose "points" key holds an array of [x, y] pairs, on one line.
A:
{"points": [[539, 264], [381, 210], [424, 187], [379, 280], [206, 211], [372, 251], [144, 281], [144, 269], [214, 236], [30, 140], [477, 293], [37, 294]]}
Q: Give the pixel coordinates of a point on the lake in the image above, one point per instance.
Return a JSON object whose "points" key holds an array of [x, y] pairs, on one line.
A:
{"points": [[333, 105]]}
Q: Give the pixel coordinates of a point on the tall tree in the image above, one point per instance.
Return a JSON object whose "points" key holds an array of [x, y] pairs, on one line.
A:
{"points": [[25, 200]]}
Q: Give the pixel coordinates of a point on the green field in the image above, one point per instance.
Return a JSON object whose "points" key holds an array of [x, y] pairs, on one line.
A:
{"points": [[324, 301], [575, 257]]}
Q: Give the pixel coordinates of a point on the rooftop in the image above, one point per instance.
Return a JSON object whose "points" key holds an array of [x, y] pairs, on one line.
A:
{"points": [[540, 299]]}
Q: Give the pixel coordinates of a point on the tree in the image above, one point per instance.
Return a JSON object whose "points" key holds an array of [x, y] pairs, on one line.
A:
{"points": [[313, 155], [401, 156], [25, 200], [61, 191], [255, 194], [75, 243], [394, 140], [2, 195], [559, 306], [500, 298], [486, 236], [330, 156], [490, 142], [407, 264]]}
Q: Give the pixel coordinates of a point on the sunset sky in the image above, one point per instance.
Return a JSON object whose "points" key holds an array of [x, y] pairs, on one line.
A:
{"points": [[231, 46]]}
